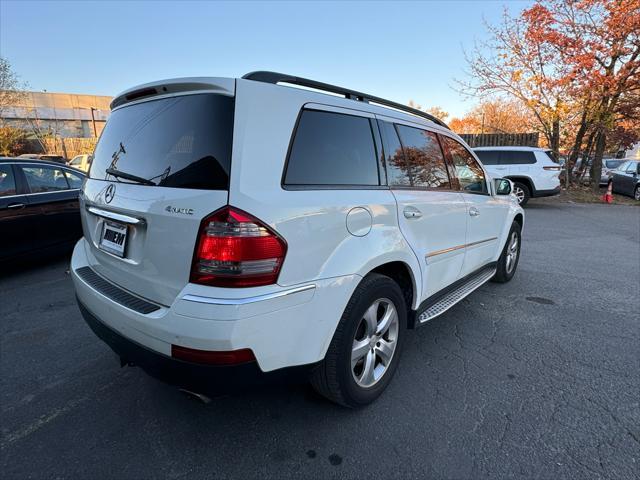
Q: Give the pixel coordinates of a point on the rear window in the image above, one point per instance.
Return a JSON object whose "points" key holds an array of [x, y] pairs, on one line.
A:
{"points": [[332, 149], [551, 156], [180, 142]]}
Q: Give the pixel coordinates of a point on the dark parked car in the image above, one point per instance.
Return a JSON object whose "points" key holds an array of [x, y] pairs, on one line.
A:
{"points": [[626, 179], [38, 206], [44, 156]]}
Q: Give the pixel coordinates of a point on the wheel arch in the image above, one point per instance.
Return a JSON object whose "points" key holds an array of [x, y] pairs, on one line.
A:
{"points": [[524, 180], [401, 273], [519, 218]]}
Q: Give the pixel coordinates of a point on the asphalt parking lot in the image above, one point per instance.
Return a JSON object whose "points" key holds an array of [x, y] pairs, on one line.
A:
{"points": [[538, 378]]}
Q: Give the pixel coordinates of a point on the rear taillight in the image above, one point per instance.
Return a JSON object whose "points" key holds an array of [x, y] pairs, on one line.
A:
{"points": [[555, 168], [235, 249]]}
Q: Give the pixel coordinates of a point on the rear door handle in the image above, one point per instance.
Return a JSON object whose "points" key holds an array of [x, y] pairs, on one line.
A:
{"points": [[474, 212], [16, 206], [411, 212]]}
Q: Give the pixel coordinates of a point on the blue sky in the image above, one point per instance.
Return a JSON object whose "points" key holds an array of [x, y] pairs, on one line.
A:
{"points": [[397, 50]]}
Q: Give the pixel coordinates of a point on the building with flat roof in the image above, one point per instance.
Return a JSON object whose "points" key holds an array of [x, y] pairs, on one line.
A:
{"points": [[63, 115]]}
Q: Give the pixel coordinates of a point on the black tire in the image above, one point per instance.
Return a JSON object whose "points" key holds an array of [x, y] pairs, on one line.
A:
{"points": [[636, 193], [334, 378], [505, 270], [526, 193]]}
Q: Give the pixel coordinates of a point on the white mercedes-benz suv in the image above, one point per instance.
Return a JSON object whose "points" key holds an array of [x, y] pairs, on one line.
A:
{"points": [[241, 230]]}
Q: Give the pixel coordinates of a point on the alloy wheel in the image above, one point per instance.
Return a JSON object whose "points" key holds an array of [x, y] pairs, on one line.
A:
{"points": [[374, 343], [519, 193], [512, 251]]}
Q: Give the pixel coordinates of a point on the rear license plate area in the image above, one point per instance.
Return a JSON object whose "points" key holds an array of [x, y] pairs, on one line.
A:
{"points": [[113, 238]]}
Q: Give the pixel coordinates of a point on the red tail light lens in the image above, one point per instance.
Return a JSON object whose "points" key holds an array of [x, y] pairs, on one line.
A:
{"points": [[235, 249]]}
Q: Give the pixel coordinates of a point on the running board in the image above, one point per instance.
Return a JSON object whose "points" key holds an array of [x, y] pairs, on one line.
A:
{"points": [[449, 299]]}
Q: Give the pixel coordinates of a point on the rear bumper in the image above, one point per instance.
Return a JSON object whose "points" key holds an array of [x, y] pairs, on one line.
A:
{"points": [[191, 376], [547, 193], [282, 326]]}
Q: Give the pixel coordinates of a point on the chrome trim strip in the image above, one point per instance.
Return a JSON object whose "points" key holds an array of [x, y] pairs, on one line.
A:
{"points": [[115, 216], [40, 193], [458, 247], [246, 300]]}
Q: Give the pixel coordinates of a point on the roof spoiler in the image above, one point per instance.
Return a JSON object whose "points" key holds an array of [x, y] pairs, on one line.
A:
{"points": [[224, 86]]}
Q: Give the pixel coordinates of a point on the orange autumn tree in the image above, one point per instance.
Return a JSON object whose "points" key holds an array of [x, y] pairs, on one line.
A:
{"points": [[497, 115], [515, 64], [598, 44]]}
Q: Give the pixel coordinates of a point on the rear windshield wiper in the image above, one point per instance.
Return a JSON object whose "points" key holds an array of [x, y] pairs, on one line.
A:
{"points": [[129, 176]]}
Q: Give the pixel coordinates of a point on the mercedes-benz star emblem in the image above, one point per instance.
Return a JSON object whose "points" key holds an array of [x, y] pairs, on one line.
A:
{"points": [[109, 193]]}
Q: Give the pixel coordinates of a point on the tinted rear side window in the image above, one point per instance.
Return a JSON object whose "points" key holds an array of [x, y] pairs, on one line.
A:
{"points": [[424, 163], [611, 164], [488, 157], [332, 149], [515, 157], [181, 142]]}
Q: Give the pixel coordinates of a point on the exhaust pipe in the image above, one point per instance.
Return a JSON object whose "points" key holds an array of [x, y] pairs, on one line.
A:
{"points": [[126, 363], [198, 396]]}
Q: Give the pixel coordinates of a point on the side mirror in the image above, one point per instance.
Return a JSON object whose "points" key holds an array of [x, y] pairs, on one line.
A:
{"points": [[503, 186]]}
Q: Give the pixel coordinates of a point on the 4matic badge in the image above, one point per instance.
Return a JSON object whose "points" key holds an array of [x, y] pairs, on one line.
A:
{"points": [[182, 211]]}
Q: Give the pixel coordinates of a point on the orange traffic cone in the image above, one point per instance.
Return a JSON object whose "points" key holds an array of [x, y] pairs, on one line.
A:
{"points": [[608, 197]]}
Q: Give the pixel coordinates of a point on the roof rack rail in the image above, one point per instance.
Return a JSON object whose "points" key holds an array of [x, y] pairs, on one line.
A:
{"points": [[275, 78]]}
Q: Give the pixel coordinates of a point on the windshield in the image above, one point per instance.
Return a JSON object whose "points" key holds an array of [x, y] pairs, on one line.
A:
{"points": [[181, 142]]}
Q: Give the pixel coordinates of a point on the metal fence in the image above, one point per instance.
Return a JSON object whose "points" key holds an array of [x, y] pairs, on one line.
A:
{"points": [[501, 139]]}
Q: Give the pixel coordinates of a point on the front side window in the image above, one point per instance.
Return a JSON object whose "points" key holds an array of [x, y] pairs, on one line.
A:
{"points": [[423, 163], [45, 179], [76, 160], [7, 181], [468, 171], [332, 149]]}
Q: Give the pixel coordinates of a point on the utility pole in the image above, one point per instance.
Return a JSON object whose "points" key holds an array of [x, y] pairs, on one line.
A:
{"points": [[93, 121]]}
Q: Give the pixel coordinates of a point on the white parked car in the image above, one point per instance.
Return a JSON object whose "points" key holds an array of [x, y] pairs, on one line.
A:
{"points": [[533, 171], [81, 162], [238, 230]]}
